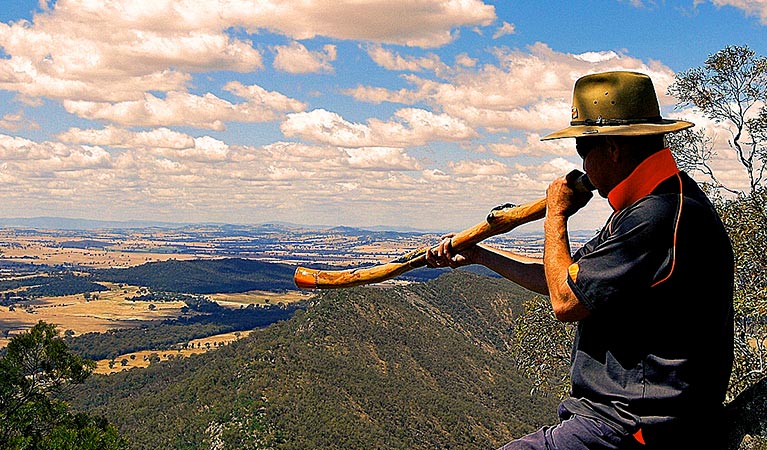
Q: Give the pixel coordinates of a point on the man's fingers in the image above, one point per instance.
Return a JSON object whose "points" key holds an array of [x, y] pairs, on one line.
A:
{"points": [[441, 255], [446, 246]]}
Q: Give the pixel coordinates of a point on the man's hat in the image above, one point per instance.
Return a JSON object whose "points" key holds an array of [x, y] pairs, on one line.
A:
{"points": [[616, 104]]}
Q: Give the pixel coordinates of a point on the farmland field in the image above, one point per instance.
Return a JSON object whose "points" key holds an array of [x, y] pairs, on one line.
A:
{"points": [[35, 262], [110, 310], [145, 357], [113, 309]]}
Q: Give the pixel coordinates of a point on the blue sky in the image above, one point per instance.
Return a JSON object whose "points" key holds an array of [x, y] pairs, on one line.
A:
{"points": [[395, 113]]}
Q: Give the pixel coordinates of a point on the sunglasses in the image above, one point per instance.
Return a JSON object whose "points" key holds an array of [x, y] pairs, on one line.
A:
{"points": [[584, 145]]}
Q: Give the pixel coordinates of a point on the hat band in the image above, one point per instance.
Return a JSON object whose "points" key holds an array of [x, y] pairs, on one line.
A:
{"points": [[601, 121]]}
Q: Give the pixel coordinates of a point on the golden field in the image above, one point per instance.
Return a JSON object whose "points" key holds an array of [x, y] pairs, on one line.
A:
{"points": [[143, 358], [112, 309]]}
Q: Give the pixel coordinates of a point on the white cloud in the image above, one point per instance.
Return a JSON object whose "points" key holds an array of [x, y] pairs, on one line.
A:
{"points": [[70, 50], [435, 175], [144, 69], [181, 108], [531, 145], [538, 176], [750, 7], [373, 94], [640, 3], [505, 29], [131, 63], [596, 57], [59, 57], [381, 158], [169, 175], [17, 121], [296, 58], [120, 138], [409, 127], [427, 23], [23, 154], [529, 90], [474, 168], [320, 125], [393, 61], [462, 59]]}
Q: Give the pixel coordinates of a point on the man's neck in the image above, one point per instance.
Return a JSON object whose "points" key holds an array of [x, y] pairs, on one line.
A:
{"points": [[643, 180]]}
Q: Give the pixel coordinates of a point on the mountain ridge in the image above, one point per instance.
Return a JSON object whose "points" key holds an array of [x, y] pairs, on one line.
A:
{"points": [[204, 276], [420, 367]]}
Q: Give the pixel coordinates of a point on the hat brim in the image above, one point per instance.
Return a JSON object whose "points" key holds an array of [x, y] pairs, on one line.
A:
{"points": [[574, 131]]}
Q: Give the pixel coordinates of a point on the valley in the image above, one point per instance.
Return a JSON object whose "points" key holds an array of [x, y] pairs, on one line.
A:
{"points": [[96, 280]]}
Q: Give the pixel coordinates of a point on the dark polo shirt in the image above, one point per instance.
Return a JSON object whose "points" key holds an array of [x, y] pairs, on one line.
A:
{"points": [[656, 351]]}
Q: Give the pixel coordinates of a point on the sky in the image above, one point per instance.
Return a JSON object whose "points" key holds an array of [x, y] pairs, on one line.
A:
{"points": [[367, 113]]}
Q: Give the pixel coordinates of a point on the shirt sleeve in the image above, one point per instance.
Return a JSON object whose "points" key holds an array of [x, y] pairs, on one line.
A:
{"points": [[636, 249]]}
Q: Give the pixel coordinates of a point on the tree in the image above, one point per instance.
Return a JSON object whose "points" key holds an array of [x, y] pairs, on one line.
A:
{"points": [[731, 89], [746, 221], [543, 347], [37, 365]]}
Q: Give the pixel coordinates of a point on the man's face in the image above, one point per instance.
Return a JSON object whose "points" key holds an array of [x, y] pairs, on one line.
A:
{"points": [[595, 152]]}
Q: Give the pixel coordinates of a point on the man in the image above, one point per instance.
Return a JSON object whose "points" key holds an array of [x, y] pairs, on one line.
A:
{"points": [[652, 292]]}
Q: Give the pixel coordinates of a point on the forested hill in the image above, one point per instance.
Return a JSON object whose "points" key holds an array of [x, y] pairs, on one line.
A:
{"points": [[204, 276], [418, 367]]}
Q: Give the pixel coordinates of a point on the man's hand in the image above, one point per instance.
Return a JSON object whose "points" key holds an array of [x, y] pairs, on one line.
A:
{"points": [[562, 200], [445, 255]]}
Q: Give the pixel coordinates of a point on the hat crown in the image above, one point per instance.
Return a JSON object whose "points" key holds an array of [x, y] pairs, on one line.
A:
{"points": [[614, 96], [616, 104]]}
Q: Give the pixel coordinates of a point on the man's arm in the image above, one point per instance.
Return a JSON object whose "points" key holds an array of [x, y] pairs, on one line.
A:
{"points": [[547, 276], [522, 270], [560, 205]]}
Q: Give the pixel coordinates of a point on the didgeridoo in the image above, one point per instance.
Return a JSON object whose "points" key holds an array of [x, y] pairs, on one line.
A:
{"points": [[501, 219]]}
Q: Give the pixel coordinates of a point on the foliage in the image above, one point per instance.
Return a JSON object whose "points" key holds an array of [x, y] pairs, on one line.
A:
{"points": [[53, 285], [730, 88], [37, 365], [746, 221], [693, 151], [146, 295], [6, 285], [543, 347], [169, 333]]}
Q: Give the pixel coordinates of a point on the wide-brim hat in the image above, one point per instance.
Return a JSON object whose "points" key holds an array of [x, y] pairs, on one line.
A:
{"points": [[616, 104]]}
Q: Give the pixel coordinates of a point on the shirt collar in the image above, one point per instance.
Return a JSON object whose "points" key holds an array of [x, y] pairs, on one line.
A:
{"points": [[643, 180]]}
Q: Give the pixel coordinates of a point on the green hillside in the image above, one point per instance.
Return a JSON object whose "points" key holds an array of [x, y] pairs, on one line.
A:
{"points": [[204, 276], [418, 367]]}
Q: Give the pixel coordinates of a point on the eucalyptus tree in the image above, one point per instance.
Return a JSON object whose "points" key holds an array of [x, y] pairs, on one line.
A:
{"points": [[730, 89], [35, 367]]}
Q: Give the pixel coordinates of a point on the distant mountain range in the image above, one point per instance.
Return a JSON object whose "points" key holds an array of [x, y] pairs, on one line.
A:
{"points": [[64, 223]]}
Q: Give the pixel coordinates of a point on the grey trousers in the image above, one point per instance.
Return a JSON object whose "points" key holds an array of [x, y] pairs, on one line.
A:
{"points": [[576, 433]]}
